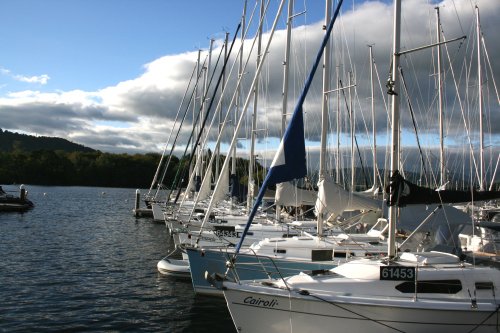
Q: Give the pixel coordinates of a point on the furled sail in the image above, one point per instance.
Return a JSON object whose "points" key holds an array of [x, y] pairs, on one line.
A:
{"points": [[289, 195], [333, 198], [403, 192], [223, 188], [204, 191]]}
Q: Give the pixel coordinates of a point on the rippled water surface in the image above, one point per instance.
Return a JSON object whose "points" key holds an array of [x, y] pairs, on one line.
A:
{"points": [[80, 261]]}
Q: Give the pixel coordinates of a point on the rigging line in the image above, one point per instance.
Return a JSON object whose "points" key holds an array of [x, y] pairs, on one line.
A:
{"points": [[491, 69], [244, 110], [238, 84], [414, 122], [355, 139], [307, 293], [176, 179], [494, 174], [458, 16], [177, 135], [221, 75], [193, 96], [236, 91], [462, 111]]}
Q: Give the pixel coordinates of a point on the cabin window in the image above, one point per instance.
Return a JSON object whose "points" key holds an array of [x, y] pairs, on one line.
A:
{"points": [[484, 286], [431, 287], [344, 255], [279, 251], [321, 255]]}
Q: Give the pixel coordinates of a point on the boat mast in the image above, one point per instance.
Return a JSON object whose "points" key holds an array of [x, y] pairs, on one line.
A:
{"points": [[219, 127], [199, 171], [440, 100], [324, 111], [251, 181], [375, 168], [351, 118], [286, 66], [480, 100], [337, 166], [238, 98], [286, 72], [193, 148], [394, 92]]}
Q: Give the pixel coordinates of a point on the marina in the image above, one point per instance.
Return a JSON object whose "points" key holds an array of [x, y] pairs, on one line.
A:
{"points": [[425, 280], [306, 224]]}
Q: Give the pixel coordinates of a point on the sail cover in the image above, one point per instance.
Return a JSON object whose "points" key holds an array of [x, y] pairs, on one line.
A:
{"points": [[289, 195], [333, 198], [403, 192]]}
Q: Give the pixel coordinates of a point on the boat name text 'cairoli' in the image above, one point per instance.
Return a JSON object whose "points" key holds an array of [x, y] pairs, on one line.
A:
{"points": [[260, 302]]}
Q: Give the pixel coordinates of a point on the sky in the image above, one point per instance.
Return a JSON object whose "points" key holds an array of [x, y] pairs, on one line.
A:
{"points": [[111, 74]]}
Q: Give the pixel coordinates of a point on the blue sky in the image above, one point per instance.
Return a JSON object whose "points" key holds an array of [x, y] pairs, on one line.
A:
{"points": [[91, 44], [110, 74]]}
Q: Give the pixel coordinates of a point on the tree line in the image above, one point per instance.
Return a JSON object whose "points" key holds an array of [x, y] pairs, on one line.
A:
{"points": [[77, 168], [47, 167]]}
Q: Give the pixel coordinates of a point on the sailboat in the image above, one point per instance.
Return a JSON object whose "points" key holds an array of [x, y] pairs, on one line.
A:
{"points": [[403, 292]]}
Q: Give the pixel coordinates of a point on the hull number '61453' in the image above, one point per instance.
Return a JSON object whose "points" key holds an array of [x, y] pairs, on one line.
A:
{"points": [[398, 273]]}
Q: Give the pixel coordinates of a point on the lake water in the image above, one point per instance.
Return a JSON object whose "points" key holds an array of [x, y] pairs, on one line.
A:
{"points": [[80, 262]]}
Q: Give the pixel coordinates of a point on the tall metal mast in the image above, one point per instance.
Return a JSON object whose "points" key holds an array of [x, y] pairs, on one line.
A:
{"points": [[442, 162], [480, 100], [238, 98], [251, 181], [394, 86], [374, 133], [286, 71], [324, 111]]}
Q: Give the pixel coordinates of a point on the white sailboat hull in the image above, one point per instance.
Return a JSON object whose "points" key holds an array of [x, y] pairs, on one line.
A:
{"points": [[280, 312]]}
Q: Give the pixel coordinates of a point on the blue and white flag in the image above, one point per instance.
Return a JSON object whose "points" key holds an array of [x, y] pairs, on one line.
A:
{"points": [[290, 160]]}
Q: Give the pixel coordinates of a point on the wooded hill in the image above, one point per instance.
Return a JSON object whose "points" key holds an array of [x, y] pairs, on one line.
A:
{"points": [[26, 159], [40, 160], [10, 141]]}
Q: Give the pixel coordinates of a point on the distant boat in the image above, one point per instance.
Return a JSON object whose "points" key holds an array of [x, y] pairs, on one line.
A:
{"points": [[11, 203]]}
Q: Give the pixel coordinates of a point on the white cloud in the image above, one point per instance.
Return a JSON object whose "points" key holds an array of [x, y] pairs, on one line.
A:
{"points": [[145, 106], [41, 79]]}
